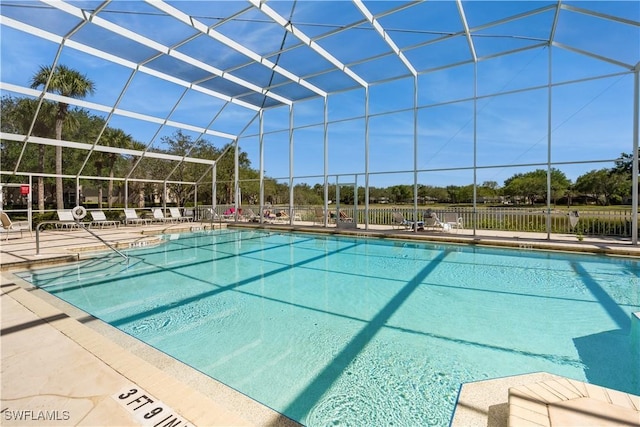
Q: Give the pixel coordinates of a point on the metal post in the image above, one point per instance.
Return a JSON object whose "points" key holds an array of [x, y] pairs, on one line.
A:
{"points": [[549, 124], [236, 178], [164, 196], [337, 200], [195, 199], [366, 158], [634, 167], [475, 148], [214, 190], [30, 203], [261, 160], [326, 158], [355, 200], [415, 153], [291, 193], [77, 191]]}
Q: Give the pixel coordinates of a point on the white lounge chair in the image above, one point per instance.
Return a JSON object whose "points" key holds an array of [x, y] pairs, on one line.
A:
{"points": [[131, 217], [211, 215], [100, 219], [344, 217], [176, 215], [66, 220], [9, 226], [251, 216], [158, 216]]}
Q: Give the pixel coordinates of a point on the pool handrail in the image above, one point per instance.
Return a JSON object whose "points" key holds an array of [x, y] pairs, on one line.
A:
{"points": [[80, 225]]}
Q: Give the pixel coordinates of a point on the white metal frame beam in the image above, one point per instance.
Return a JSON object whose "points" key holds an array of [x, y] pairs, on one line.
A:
{"points": [[120, 61], [287, 25], [118, 111], [204, 29], [166, 50], [467, 31], [592, 55], [106, 121], [385, 36], [342, 28], [101, 148], [599, 15]]}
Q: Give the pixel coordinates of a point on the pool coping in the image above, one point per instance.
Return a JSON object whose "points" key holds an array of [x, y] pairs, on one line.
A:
{"points": [[524, 241]]}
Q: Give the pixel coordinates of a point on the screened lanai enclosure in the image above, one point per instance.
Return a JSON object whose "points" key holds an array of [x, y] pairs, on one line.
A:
{"points": [[508, 113]]}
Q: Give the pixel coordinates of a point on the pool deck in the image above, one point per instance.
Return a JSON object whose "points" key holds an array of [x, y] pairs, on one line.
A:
{"points": [[63, 367]]}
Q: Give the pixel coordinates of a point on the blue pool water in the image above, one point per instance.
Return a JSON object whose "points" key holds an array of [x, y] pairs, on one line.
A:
{"points": [[344, 331]]}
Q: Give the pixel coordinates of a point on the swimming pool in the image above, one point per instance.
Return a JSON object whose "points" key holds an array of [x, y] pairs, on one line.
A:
{"points": [[345, 331]]}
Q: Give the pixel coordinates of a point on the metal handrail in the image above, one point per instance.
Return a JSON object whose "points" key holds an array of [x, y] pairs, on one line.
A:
{"points": [[80, 225]]}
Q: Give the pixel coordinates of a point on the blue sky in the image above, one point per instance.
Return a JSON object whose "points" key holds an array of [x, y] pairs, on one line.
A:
{"points": [[591, 119]]}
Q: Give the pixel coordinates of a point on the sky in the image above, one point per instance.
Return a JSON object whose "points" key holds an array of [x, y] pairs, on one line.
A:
{"points": [[589, 121]]}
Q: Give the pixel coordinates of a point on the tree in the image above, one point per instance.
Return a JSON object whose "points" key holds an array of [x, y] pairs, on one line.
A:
{"points": [[304, 195], [66, 82], [532, 186], [603, 185], [460, 194], [17, 115], [225, 170], [488, 191], [439, 194], [401, 193], [624, 164], [113, 138]]}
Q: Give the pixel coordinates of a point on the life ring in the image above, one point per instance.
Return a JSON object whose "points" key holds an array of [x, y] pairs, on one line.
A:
{"points": [[79, 212]]}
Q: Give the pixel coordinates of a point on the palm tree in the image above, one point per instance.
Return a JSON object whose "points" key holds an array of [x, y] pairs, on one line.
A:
{"points": [[113, 138], [66, 82], [17, 117]]}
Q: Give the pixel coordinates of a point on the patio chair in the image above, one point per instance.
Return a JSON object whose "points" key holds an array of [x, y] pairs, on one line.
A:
{"points": [[453, 220], [231, 214], [400, 221], [131, 217], [158, 216], [100, 219], [9, 226], [268, 215], [66, 220], [431, 221], [344, 217], [177, 215], [211, 215], [251, 216], [318, 216], [282, 217]]}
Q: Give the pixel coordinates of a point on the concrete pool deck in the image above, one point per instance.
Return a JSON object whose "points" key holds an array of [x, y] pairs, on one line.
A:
{"points": [[63, 367]]}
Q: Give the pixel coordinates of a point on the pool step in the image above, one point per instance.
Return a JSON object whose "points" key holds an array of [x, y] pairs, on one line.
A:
{"points": [[567, 402]]}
